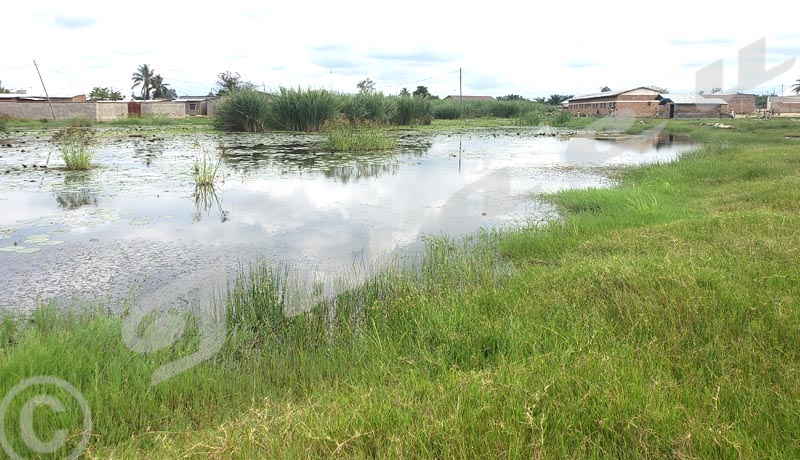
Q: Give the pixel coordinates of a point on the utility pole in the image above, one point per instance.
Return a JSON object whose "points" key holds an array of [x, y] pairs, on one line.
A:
{"points": [[45, 90], [460, 93]]}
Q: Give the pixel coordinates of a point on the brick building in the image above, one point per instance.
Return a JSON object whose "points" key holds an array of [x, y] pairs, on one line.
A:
{"points": [[638, 102], [691, 106], [784, 105], [738, 102]]}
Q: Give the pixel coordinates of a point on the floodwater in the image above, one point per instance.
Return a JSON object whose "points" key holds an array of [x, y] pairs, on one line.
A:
{"points": [[135, 227]]}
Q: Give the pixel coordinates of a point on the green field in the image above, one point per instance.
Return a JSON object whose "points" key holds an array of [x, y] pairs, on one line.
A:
{"points": [[659, 319]]}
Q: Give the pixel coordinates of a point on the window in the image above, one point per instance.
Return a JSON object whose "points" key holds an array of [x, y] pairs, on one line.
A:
{"points": [[192, 107]]}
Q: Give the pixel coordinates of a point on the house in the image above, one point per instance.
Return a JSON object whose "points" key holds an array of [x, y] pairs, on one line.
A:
{"points": [[196, 105], [691, 106], [738, 102], [636, 102], [784, 105], [469, 98]]}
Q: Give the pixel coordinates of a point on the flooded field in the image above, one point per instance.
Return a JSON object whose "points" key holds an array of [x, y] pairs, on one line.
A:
{"points": [[136, 227]]}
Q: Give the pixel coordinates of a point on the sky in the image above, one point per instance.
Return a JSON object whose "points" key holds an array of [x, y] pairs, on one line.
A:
{"points": [[503, 47]]}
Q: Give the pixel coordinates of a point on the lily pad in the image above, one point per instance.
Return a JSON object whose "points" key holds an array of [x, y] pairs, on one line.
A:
{"points": [[11, 248], [50, 243], [28, 250]]}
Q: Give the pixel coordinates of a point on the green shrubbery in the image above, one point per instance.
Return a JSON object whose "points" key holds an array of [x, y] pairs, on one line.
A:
{"points": [[245, 110], [77, 147], [302, 110]]}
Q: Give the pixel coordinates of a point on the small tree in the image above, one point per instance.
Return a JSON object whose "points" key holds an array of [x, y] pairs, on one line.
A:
{"points": [[556, 99], [605, 89], [144, 77], [105, 94], [716, 90], [404, 92], [3, 90], [366, 86], [659, 89], [421, 91], [796, 87], [229, 82], [511, 97]]}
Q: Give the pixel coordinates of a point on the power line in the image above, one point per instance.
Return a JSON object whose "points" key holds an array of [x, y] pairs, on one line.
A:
{"points": [[418, 81]]}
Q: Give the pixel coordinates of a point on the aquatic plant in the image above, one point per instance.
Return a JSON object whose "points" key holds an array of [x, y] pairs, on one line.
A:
{"points": [[245, 110], [77, 147], [302, 110], [344, 136], [206, 167], [413, 111]]}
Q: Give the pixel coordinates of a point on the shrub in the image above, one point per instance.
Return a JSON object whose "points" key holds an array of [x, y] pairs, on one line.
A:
{"points": [[413, 110], [245, 110], [447, 110], [76, 145], [368, 107], [561, 118], [302, 110], [79, 122], [3, 122]]}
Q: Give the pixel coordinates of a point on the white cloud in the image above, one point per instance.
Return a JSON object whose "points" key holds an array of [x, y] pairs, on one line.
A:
{"points": [[532, 49]]}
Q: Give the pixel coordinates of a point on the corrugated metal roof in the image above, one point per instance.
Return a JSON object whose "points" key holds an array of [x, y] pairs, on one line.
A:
{"points": [[695, 99], [609, 93]]}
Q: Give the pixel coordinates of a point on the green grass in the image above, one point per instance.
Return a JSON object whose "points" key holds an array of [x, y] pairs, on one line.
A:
{"points": [[77, 147], [206, 167], [358, 140], [657, 319]]}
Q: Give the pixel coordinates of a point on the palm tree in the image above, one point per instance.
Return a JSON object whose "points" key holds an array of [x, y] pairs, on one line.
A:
{"points": [[160, 89], [796, 87], [143, 76]]}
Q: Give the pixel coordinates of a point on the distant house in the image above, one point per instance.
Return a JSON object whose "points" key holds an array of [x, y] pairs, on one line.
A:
{"points": [[784, 105], [636, 102], [738, 102], [196, 105], [469, 98], [691, 106]]}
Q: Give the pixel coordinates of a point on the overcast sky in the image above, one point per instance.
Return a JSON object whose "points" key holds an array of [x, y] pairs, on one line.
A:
{"points": [[503, 46]]}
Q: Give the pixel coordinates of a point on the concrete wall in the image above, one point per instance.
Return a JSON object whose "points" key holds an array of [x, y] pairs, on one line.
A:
{"points": [[638, 106], [784, 104], [37, 110], [688, 111], [168, 109], [212, 106], [109, 111]]}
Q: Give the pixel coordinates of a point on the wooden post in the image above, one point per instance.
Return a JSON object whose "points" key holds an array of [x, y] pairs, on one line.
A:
{"points": [[45, 91]]}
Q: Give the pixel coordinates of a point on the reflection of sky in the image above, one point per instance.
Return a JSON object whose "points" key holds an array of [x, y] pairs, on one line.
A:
{"points": [[309, 215]]}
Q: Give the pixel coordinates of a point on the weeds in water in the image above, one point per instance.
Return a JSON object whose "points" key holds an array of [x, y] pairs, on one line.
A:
{"points": [[245, 110], [413, 111], [302, 110], [206, 167], [343, 136], [77, 147]]}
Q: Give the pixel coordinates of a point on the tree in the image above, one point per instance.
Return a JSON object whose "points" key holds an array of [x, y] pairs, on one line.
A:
{"points": [[144, 77], [541, 100], [659, 89], [716, 90], [105, 94], [228, 82], [796, 87], [366, 86], [556, 99], [761, 100], [421, 91], [3, 90], [404, 92], [605, 89], [511, 97], [160, 89]]}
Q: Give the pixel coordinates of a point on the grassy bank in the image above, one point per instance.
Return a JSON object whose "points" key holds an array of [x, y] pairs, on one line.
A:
{"points": [[658, 319]]}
